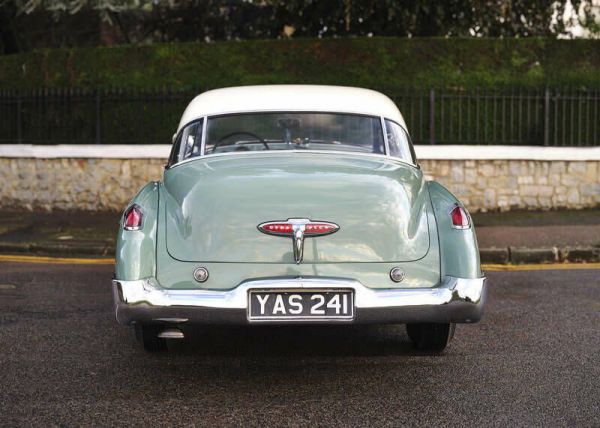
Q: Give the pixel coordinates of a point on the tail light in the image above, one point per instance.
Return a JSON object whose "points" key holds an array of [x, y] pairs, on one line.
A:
{"points": [[286, 228], [460, 218], [133, 218]]}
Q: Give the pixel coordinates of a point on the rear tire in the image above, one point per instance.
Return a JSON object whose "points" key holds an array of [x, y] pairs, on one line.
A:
{"points": [[431, 337], [148, 336]]}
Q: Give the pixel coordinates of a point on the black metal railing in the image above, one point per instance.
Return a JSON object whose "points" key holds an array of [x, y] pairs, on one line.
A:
{"points": [[550, 117]]}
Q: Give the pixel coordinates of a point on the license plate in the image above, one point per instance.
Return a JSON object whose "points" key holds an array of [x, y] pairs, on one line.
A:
{"points": [[301, 305]]}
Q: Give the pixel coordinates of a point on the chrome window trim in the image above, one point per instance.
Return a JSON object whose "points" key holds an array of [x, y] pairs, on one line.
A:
{"points": [[203, 141], [385, 137], [275, 152], [407, 134], [382, 120]]}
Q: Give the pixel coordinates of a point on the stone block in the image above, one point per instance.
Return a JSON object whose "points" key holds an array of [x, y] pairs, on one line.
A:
{"points": [[470, 176], [570, 180], [573, 197], [514, 167], [591, 172], [559, 201], [525, 179], [558, 167], [545, 202], [443, 168], [457, 173], [590, 189], [489, 198], [487, 170], [529, 190], [578, 168]]}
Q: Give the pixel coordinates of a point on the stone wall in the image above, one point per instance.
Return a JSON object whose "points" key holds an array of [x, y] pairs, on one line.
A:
{"points": [[42, 180], [484, 185], [85, 184]]}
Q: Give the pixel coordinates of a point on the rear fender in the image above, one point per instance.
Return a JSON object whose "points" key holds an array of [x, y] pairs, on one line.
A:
{"points": [[459, 253], [136, 249]]}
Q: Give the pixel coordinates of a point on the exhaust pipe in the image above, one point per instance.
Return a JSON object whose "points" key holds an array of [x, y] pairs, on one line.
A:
{"points": [[171, 333]]}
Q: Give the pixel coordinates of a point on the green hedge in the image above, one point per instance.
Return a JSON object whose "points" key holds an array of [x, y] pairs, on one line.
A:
{"points": [[368, 62]]}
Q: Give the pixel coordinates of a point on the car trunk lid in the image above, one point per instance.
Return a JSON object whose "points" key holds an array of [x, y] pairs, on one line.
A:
{"points": [[214, 206]]}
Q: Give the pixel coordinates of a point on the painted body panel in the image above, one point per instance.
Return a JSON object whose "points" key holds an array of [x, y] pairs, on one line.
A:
{"points": [[458, 247], [214, 205], [175, 274], [136, 249], [143, 254]]}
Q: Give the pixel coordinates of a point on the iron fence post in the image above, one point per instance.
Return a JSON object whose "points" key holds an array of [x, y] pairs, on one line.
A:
{"points": [[98, 141], [19, 120], [432, 116], [547, 117]]}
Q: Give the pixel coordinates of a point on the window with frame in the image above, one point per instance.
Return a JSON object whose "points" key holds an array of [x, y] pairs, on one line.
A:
{"points": [[399, 142]]}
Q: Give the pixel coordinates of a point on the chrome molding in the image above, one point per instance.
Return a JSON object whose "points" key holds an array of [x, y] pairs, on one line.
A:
{"points": [[274, 152], [298, 233], [203, 154], [385, 137], [458, 299]]}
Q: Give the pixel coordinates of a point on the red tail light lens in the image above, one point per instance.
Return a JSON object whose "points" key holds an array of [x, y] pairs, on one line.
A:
{"points": [[460, 218], [133, 218], [320, 228], [277, 228], [281, 228]]}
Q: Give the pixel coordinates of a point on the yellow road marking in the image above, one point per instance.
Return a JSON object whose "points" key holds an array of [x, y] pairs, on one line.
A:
{"points": [[550, 266], [56, 260], [111, 261]]}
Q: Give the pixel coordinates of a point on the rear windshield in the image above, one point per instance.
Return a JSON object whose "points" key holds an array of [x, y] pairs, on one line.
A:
{"points": [[282, 131]]}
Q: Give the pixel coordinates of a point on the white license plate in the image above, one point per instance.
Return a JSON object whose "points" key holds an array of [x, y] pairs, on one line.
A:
{"points": [[300, 305]]}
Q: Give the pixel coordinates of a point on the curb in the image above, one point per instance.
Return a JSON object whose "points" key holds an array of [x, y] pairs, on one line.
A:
{"points": [[56, 249], [504, 255], [524, 255]]}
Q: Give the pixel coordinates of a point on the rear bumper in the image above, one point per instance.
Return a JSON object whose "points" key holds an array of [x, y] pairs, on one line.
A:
{"points": [[457, 300]]}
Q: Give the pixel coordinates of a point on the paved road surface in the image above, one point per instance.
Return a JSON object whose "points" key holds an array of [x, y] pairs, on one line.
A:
{"points": [[534, 360]]}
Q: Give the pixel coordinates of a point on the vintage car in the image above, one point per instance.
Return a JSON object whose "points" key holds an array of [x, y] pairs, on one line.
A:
{"points": [[291, 204]]}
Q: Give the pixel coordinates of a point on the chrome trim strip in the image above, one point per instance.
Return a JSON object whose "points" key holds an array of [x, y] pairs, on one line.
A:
{"points": [[275, 152], [385, 138], [149, 292], [203, 141]]}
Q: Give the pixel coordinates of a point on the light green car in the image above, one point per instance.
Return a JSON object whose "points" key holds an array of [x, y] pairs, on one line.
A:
{"points": [[295, 204]]}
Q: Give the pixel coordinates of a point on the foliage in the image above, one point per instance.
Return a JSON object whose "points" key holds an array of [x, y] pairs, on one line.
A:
{"points": [[385, 62], [149, 21]]}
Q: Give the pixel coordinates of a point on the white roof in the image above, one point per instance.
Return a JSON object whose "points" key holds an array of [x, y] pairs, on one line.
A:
{"points": [[291, 98]]}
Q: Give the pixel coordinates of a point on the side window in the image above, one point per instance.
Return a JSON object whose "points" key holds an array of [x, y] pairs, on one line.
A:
{"points": [[188, 142], [399, 142]]}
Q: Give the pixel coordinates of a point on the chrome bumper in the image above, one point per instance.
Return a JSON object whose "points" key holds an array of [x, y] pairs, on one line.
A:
{"points": [[454, 300]]}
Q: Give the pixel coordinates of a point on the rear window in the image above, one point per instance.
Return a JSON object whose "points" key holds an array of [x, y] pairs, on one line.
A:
{"points": [[252, 132], [294, 131]]}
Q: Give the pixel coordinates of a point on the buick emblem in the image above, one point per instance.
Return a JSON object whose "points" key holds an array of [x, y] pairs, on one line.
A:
{"points": [[298, 229]]}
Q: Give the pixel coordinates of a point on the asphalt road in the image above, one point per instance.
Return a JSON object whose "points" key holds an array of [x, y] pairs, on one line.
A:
{"points": [[533, 360]]}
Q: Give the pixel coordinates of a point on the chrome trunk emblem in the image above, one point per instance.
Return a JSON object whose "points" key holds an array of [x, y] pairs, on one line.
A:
{"points": [[298, 229]]}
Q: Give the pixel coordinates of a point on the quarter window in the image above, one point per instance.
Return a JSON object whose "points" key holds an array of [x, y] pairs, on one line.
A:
{"points": [[188, 143], [399, 142]]}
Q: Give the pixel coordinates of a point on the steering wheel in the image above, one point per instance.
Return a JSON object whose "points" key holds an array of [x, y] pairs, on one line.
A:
{"points": [[231, 134]]}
